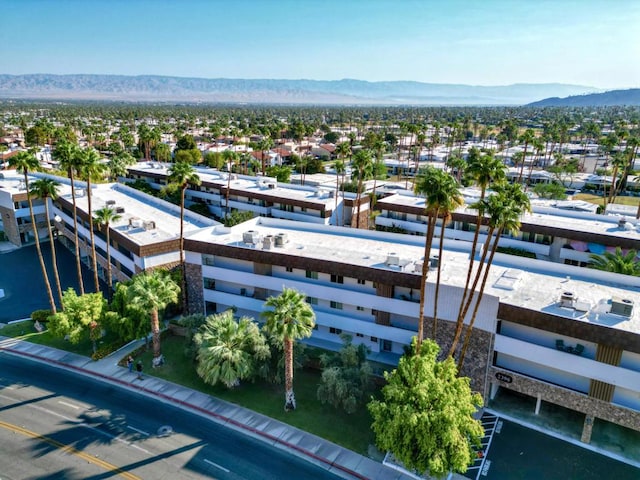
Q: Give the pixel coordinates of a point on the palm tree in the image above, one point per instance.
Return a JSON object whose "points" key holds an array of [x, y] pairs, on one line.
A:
{"points": [[619, 161], [265, 145], [618, 262], [70, 158], [182, 174], [229, 350], [90, 169], [46, 188], [230, 159], [363, 164], [527, 138], [152, 292], [483, 170], [504, 208], [441, 195], [291, 319], [25, 162], [105, 216]]}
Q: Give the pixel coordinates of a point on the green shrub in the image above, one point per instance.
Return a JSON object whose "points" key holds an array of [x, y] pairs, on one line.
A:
{"points": [[40, 315], [516, 251], [104, 350]]}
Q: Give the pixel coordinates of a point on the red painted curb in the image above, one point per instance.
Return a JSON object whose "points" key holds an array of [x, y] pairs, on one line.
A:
{"points": [[193, 407]]}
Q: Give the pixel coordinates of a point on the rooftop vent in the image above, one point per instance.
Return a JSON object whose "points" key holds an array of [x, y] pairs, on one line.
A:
{"points": [[79, 192], [110, 203], [567, 299], [622, 306], [251, 237], [622, 222], [119, 209], [392, 259], [268, 242], [135, 222], [149, 225], [434, 261], [281, 239]]}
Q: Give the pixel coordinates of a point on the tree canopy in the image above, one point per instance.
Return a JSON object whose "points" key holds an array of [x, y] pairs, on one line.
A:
{"points": [[425, 415]]}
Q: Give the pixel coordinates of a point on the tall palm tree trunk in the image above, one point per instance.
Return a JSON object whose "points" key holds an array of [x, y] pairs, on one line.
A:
{"points": [[467, 337], [437, 291], [290, 399], [54, 258], [155, 333], [183, 266], [52, 302], [423, 280], [75, 232], [467, 305], [109, 279], [94, 260]]}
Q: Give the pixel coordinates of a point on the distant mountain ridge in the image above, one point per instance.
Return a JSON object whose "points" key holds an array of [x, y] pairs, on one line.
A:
{"points": [[226, 90], [629, 97]]}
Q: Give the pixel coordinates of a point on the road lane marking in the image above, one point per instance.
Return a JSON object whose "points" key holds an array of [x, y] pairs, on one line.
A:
{"points": [[70, 405], [68, 448], [138, 430], [217, 466]]}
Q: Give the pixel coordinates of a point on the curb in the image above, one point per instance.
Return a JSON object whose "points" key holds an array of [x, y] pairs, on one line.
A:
{"points": [[238, 425]]}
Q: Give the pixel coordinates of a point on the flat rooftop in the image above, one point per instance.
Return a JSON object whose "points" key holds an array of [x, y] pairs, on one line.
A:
{"points": [[566, 214], [265, 186], [532, 284]]}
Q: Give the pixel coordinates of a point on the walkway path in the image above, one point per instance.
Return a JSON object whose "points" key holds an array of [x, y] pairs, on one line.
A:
{"points": [[339, 460]]}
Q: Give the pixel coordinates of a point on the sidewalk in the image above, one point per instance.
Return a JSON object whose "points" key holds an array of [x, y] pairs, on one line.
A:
{"points": [[336, 459]]}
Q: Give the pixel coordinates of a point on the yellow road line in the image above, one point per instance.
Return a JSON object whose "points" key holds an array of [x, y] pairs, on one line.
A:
{"points": [[69, 449]]}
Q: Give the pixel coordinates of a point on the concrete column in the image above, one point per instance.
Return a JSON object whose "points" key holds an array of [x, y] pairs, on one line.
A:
{"points": [[538, 403], [493, 390], [554, 250], [587, 429]]}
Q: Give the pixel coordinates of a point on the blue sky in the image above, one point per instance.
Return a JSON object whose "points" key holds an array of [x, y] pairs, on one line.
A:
{"points": [[475, 42]]}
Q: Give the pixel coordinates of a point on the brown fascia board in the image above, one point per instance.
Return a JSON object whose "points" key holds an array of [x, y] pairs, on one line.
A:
{"points": [[573, 328], [159, 247], [268, 257]]}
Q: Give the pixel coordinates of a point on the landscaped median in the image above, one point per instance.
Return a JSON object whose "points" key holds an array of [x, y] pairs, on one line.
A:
{"points": [[352, 431]]}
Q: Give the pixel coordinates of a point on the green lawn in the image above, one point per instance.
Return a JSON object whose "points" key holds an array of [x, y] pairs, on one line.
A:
{"points": [[350, 431], [591, 198], [26, 331]]}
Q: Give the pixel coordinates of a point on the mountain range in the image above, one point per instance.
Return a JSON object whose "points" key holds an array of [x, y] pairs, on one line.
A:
{"points": [[630, 97], [152, 88]]}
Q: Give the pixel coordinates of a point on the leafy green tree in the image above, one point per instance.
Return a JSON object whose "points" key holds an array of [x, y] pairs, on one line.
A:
{"points": [[126, 320], [281, 173], [188, 156], [213, 160], [346, 376], [228, 350], [290, 319], [332, 137], [152, 292], [26, 162], [552, 191], [186, 142], [617, 262], [236, 217], [77, 315], [47, 188], [425, 415], [70, 158], [181, 174]]}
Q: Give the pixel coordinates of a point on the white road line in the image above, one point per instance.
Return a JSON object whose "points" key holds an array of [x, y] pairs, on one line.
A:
{"points": [[137, 430], [216, 465], [70, 405]]}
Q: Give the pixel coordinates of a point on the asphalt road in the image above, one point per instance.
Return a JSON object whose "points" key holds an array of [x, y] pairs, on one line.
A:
{"points": [[58, 425]]}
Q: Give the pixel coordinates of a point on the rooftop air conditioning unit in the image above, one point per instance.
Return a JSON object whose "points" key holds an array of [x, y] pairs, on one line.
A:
{"points": [[119, 209], [622, 222], [110, 203], [149, 225], [417, 267], [393, 259], [268, 242], [434, 261], [622, 306], [281, 239], [80, 192], [135, 222], [271, 185], [251, 236], [567, 299]]}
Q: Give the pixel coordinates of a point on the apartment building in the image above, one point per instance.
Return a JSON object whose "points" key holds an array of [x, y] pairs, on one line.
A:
{"points": [[557, 333], [263, 196], [565, 231]]}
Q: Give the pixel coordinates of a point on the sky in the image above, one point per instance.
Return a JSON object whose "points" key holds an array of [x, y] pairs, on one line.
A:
{"points": [[474, 42]]}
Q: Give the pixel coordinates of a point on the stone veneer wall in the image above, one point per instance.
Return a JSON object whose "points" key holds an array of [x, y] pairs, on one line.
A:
{"points": [[478, 357], [10, 225], [568, 398], [195, 293]]}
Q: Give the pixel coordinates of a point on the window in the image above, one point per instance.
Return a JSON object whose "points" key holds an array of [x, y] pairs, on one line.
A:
{"points": [[361, 281], [386, 345], [313, 275], [289, 269], [209, 283], [336, 305], [337, 331], [374, 339], [337, 279], [312, 300], [208, 260], [359, 335], [360, 309]]}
